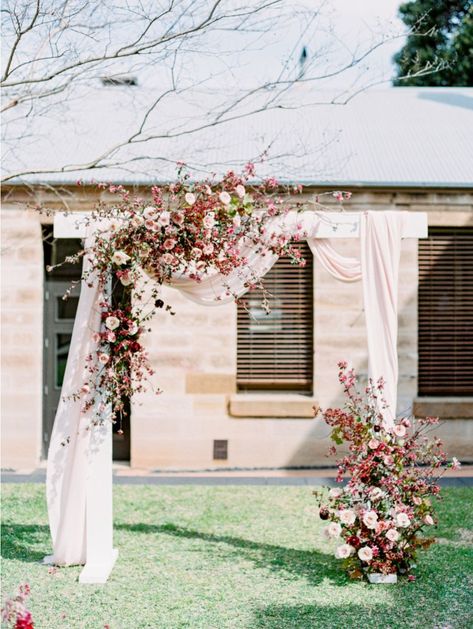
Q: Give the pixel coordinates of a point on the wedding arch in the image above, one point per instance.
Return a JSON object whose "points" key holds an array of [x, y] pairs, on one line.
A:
{"points": [[79, 469]]}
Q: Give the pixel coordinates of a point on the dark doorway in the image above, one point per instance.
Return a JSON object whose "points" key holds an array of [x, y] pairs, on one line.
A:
{"points": [[58, 323]]}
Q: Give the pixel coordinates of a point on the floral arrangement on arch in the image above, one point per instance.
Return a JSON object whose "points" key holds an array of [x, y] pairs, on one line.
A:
{"points": [[378, 517], [184, 228]]}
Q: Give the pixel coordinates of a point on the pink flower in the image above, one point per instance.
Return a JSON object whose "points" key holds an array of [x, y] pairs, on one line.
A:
{"points": [[111, 337], [209, 220], [428, 520], [370, 519], [126, 279], [167, 258], [416, 500], [208, 249], [373, 444], [196, 253], [365, 554], [169, 244], [388, 460], [456, 465], [347, 516], [399, 430], [190, 198], [151, 225], [104, 358], [344, 551], [149, 212], [225, 198], [137, 221], [240, 191], [393, 535], [178, 218]]}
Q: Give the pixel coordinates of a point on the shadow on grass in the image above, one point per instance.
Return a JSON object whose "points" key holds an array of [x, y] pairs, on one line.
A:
{"points": [[304, 564], [313, 617], [21, 542]]}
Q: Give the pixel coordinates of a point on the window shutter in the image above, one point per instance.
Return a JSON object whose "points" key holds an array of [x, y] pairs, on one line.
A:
{"points": [[445, 308], [275, 350]]}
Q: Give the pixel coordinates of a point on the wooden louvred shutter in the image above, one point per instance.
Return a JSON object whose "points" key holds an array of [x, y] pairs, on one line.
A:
{"points": [[275, 350], [445, 308]]}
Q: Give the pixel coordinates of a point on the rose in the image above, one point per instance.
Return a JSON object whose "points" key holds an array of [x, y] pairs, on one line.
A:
{"points": [[373, 444], [149, 212], [416, 500], [333, 530], [370, 519], [428, 520], [167, 258], [344, 551], [208, 249], [151, 225], [126, 279], [190, 198], [196, 253], [240, 190], [393, 535], [388, 460], [104, 358], [365, 554], [111, 337], [209, 220], [132, 328], [335, 492], [402, 520], [120, 257], [164, 218], [112, 322], [399, 430], [169, 243], [376, 493], [137, 220], [178, 218], [347, 516], [225, 198]]}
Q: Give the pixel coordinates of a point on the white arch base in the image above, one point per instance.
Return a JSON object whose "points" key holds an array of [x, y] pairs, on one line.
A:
{"points": [[100, 555]]}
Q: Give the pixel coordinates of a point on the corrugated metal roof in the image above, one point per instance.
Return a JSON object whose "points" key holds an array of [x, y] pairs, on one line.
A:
{"points": [[396, 137]]}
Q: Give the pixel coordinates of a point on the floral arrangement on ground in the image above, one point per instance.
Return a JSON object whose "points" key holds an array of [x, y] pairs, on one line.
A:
{"points": [[393, 469]]}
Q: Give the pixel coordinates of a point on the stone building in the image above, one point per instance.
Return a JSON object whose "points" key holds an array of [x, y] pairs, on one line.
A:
{"points": [[240, 392]]}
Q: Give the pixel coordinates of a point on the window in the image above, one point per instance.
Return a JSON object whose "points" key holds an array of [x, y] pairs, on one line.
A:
{"points": [[445, 304], [275, 349]]}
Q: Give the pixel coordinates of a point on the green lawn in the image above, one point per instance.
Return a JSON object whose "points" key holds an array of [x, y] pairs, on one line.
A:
{"points": [[231, 557]]}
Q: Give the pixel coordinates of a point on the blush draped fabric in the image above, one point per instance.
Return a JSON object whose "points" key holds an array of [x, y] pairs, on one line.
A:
{"points": [[378, 267]]}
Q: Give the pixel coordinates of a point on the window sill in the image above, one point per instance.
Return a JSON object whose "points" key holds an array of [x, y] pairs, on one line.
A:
{"points": [[444, 407], [284, 405]]}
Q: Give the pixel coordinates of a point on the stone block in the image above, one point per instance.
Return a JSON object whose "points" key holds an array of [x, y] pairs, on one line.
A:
{"points": [[202, 383]]}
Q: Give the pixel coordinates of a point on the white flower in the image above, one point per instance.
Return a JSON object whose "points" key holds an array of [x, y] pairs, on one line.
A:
{"points": [[376, 493], [151, 225], [399, 430], [236, 220], [224, 197], [164, 218], [344, 551], [347, 516], [365, 554], [112, 323], [402, 520], [240, 190], [190, 198], [456, 465], [373, 444], [335, 492], [104, 358], [428, 520], [120, 257], [149, 212], [132, 329], [126, 280], [209, 220], [393, 535], [137, 220], [333, 530], [370, 519]]}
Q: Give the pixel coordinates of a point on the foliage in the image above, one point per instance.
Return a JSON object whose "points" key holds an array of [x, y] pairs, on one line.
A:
{"points": [[447, 35], [235, 556], [393, 470]]}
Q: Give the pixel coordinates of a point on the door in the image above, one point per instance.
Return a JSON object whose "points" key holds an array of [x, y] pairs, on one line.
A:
{"points": [[59, 315]]}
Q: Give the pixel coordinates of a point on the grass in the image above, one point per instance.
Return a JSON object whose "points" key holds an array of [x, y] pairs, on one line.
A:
{"points": [[231, 557]]}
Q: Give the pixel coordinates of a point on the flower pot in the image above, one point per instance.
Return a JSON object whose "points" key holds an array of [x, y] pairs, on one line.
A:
{"points": [[377, 577]]}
